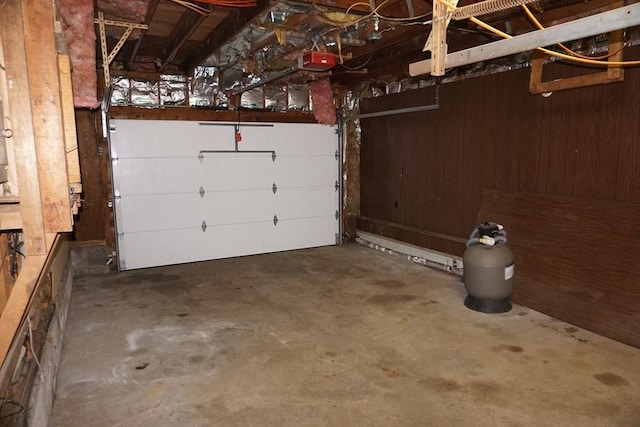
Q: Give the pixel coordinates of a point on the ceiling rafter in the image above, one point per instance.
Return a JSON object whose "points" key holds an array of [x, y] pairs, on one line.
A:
{"points": [[231, 25], [153, 5], [186, 25]]}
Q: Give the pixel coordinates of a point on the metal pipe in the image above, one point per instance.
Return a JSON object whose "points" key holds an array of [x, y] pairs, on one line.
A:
{"points": [[405, 110], [398, 111], [262, 125], [272, 152]]}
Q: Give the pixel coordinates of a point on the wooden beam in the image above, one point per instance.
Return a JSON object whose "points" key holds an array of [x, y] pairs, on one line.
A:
{"points": [[10, 217], [18, 301], [47, 114], [178, 113], [617, 19], [186, 25], [68, 114], [231, 25], [19, 112], [153, 5], [70, 135], [521, 24]]}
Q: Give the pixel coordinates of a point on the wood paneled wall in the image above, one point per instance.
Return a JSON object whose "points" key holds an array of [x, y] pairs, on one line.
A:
{"points": [[422, 174], [561, 172]]}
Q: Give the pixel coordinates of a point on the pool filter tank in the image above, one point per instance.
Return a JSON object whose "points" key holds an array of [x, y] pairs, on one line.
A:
{"points": [[488, 270]]}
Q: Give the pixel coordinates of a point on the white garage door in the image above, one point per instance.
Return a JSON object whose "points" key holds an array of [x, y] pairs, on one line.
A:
{"points": [[178, 199]]}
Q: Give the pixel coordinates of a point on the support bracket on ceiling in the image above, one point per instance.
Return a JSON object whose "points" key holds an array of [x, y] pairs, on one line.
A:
{"points": [[437, 40], [611, 75], [604, 22], [108, 57]]}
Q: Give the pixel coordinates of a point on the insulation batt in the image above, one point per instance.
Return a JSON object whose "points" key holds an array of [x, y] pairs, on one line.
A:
{"points": [[322, 97], [80, 36], [124, 10]]}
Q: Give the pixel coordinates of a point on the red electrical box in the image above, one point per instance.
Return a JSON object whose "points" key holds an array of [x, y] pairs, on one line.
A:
{"points": [[318, 61]]}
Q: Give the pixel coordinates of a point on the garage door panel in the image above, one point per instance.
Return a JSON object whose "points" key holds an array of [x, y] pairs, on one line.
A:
{"points": [[179, 246], [238, 207], [297, 171], [305, 202], [292, 139], [158, 138], [133, 177], [165, 192], [164, 247], [304, 230], [238, 172], [158, 212]]}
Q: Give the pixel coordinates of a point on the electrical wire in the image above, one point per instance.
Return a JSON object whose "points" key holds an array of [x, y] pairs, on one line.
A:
{"points": [[538, 25], [556, 54], [231, 3], [192, 6], [33, 350], [206, 11], [374, 12], [504, 35]]}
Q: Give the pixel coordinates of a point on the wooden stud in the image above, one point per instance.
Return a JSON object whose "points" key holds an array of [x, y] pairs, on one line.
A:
{"points": [[437, 41], [182, 30], [151, 10], [47, 114], [10, 217], [4, 271], [68, 115], [19, 111]]}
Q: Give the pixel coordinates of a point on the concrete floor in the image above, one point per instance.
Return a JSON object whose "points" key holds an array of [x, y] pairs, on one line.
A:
{"points": [[336, 336]]}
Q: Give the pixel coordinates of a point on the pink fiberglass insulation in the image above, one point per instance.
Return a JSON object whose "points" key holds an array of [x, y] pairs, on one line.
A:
{"points": [[133, 11], [80, 36], [322, 97]]}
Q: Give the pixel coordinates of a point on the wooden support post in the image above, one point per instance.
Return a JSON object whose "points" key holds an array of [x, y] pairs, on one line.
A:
{"points": [[18, 110], [616, 44], [70, 135], [47, 114], [437, 41]]}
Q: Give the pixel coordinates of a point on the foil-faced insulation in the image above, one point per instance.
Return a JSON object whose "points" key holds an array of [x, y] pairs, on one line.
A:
{"points": [[203, 87], [79, 33], [253, 98], [173, 90], [144, 93], [208, 88], [275, 97], [119, 91], [298, 98]]}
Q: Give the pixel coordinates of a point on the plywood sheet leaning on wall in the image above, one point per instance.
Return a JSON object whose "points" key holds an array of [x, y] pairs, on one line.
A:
{"points": [[576, 259]]}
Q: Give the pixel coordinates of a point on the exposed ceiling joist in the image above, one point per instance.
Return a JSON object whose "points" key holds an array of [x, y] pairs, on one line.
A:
{"points": [[604, 22], [153, 5], [188, 23], [232, 24]]}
